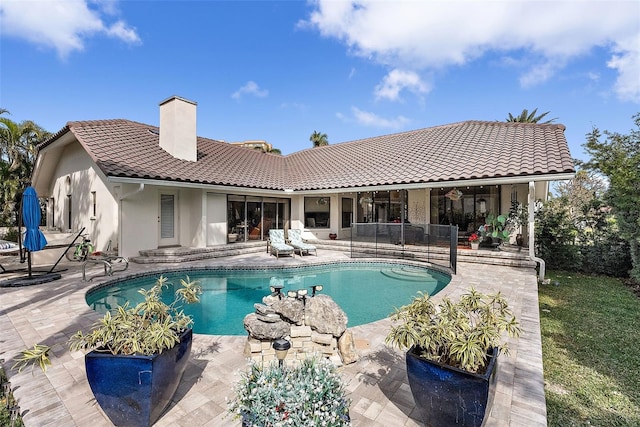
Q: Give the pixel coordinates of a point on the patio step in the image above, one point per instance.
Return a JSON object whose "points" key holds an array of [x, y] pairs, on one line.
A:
{"points": [[507, 256], [185, 254]]}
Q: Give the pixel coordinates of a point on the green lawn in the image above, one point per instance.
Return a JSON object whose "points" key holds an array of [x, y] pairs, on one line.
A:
{"points": [[591, 351]]}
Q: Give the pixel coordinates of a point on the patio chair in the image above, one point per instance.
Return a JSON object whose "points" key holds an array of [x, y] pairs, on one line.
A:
{"points": [[276, 244], [8, 248], [295, 240]]}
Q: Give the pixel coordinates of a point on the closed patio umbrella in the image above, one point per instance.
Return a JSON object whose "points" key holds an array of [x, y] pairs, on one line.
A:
{"points": [[34, 240]]}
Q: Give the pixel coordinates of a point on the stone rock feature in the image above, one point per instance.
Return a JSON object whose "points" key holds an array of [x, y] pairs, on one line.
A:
{"points": [[313, 325], [263, 309], [262, 330], [347, 348], [325, 316], [291, 309]]}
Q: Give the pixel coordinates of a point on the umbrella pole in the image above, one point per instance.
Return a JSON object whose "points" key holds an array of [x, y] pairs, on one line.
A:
{"points": [[29, 263]]}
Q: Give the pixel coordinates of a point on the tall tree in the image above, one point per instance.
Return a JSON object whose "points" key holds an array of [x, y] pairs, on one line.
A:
{"points": [[319, 139], [618, 159], [526, 117], [17, 158]]}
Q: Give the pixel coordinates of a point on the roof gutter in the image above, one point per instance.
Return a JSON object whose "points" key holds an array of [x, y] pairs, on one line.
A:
{"points": [[382, 187], [532, 252]]}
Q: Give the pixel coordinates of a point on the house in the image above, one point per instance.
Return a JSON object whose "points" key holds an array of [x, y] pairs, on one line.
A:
{"points": [[142, 187]]}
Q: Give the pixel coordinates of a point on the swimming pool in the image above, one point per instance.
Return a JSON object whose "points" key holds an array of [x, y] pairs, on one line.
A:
{"points": [[365, 291]]}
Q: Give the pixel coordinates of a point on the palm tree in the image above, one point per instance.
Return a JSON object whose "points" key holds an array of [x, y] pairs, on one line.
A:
{"points": [[17, 157], [526, 117], [319, 139]]}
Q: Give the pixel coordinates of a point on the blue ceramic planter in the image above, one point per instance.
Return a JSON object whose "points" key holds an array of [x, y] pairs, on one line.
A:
{"points": [[135, 390], [447, 396]]}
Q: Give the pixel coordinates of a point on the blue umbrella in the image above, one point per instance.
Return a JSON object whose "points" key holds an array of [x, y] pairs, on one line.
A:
{"points": [[34, 240]]}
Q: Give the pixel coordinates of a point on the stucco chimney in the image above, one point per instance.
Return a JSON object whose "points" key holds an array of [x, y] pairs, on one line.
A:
{"points": [[178, 128]]}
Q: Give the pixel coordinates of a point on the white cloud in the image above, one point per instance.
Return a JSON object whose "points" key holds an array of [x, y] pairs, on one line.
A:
{"points": [[250, 88], [627, 61], [437, 34], [372, 120], [396, 81], [63, 25]]}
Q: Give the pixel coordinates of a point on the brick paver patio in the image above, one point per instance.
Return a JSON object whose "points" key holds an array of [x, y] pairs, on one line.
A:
{"points": [[51, 312]]}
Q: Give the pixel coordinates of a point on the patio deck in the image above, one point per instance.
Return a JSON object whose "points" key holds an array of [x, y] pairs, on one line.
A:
{"points": [[378, 387]]}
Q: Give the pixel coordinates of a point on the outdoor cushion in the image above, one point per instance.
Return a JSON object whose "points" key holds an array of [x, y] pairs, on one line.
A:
{"points": [[277, 244], [295, 240]]}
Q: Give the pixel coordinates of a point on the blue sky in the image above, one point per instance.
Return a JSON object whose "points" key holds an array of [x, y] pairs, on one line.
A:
{"points": [[278, 70]]}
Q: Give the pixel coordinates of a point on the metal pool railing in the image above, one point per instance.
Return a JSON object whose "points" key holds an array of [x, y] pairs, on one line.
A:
{"points": [[436, 244]]}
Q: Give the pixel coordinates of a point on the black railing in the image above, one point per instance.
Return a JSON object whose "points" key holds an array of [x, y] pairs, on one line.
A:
{"points": [[436, 244]]}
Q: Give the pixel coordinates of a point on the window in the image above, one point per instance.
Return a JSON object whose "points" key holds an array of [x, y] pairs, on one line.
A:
{"points": [[382, 206], [467, 208], [347, 212], [316, 212], [93, 204]]}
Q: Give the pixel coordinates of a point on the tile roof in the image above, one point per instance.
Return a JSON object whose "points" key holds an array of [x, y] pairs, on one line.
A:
{"points": [[459, 151]]}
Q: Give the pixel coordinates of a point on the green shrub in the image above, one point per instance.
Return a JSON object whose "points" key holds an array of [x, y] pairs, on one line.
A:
{"points": [[310, 394], [607, 258]]}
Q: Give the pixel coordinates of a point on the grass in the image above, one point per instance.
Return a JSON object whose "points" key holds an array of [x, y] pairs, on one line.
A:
{"points": [[591, 351]]}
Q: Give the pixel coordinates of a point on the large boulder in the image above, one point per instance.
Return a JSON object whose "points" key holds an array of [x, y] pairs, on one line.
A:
{"points": [[265, 330], [347, 348], [291, 309], [325, 316]]}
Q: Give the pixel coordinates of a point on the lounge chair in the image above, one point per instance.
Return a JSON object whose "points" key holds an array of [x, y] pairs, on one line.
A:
{"points": [[276, 244], [8, 248], [295, 240]]}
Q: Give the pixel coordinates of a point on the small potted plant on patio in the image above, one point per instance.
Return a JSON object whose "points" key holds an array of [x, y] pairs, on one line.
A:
{"points": [[474, 240], [452, 352], [138, 354], [309, 394]]}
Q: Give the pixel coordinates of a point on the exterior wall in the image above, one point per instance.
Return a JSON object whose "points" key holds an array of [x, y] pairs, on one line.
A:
{"points": [[216, 219], [76, 174], [297, 217], [140, 214], [192, 217]]}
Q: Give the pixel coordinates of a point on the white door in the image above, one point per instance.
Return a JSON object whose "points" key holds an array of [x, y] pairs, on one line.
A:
{"points": [[168, 221]]}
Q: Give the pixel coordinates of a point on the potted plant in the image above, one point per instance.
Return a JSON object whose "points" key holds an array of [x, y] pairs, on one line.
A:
{"points": [[138, 354], [495, 228], [452, 352], [474, 240], [311, 393]]}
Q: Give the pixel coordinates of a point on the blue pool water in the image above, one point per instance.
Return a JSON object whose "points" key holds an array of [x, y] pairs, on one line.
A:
{"points": [[365, 291]]}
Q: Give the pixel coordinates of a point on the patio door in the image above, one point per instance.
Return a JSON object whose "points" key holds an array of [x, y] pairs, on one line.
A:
{"points": [[168, 219]]}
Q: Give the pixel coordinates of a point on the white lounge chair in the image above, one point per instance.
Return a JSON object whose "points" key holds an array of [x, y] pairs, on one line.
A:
{"points": [[8, 248], [295, 240], [276, 244]]}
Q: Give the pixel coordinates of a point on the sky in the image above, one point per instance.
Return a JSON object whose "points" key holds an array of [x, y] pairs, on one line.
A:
{"points": [[280, 70]]}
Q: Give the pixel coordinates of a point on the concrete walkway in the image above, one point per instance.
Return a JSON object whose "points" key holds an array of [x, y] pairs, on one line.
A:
{"points": [[50, 313]]}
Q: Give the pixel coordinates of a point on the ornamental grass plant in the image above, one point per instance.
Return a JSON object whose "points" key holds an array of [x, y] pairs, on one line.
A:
{"points": [[457, 334], [149, 328], [309, 394]]}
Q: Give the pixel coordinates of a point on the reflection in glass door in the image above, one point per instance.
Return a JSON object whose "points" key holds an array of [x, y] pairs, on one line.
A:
{"points": [[251, 218]]}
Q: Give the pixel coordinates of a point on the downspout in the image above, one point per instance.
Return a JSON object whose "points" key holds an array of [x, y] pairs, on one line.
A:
{"points": [[131, 193], [532, 252], [120, 199]]}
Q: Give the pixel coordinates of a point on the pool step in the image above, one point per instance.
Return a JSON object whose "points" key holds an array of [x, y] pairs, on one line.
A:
{"points": [[408, 274]]}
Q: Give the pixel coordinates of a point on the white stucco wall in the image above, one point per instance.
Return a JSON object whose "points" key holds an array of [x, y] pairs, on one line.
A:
{"points": [[76, 174], [216, 219], [139, 220]]}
